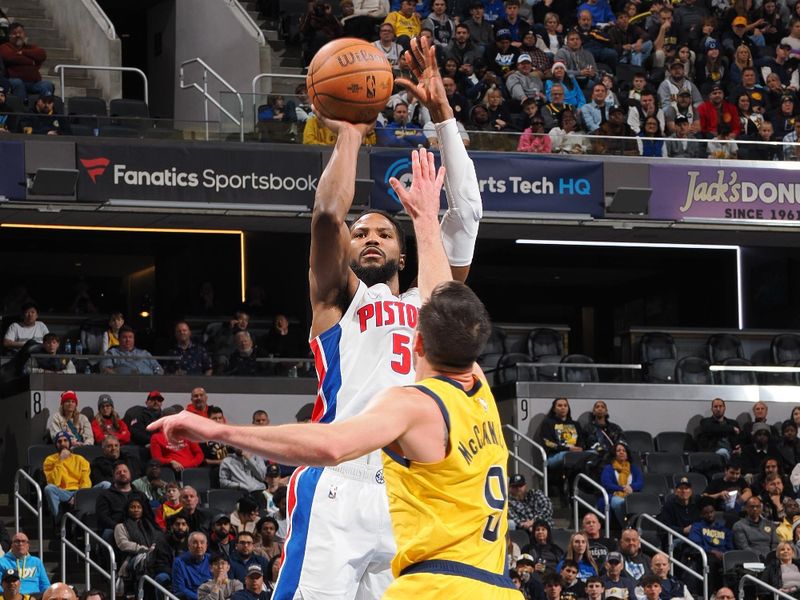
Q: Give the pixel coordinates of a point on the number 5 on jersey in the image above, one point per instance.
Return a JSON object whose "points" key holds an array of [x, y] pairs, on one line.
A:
{"points": [[496, 495], [401, 348]]}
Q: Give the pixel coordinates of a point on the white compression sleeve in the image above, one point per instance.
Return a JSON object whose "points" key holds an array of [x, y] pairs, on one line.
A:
{"points": [[465, 208]]}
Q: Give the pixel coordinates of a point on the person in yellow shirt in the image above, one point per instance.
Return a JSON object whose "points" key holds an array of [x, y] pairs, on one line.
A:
{"points": [[316, 134], [406, 23], [65, 473]]}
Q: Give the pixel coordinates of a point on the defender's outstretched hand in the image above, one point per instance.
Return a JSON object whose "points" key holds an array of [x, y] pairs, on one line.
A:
{"points": [[185, 426], [429, 89], [421, 200]]}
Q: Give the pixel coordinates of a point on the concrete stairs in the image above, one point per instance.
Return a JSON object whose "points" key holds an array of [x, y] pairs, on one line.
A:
{"points": [[42, 32]]}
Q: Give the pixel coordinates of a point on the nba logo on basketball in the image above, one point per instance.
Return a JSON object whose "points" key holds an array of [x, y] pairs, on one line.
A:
{"points": [[370, 86]]}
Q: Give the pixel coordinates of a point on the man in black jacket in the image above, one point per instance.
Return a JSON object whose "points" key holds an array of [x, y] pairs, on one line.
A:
{"points": [[680, 511], [717, 433], [139, 417], [111, 503], [221, 541], [198, 519], [168, 545], [103, 466]]}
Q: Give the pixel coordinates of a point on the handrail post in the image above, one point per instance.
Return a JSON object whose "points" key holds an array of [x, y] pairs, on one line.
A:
{"points": [[87, 550], [518, 435], [776, 593], [576, 499], [110, 575], [61, 70], [64, 549], [205, 102], [38, 512]]}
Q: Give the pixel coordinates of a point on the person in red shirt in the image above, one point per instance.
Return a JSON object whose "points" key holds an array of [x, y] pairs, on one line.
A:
{"points": [[107, 422], [717, 110], [199, 403], [180, 455], [23, 61]]}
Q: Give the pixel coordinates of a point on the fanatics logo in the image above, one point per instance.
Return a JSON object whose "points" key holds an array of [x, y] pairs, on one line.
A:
{"points": [[95, 167]]}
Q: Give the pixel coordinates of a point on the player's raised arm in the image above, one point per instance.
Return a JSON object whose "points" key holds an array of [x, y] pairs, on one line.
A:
{"points": [[329, 272], [465, 208]]}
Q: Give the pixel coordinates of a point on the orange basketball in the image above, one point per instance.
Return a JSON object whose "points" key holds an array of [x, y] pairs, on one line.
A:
{"points": [[349, 80]]}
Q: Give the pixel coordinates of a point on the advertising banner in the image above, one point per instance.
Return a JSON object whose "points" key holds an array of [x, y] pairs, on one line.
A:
{"points": [[197, 173], [508, 182], [12, 173], [714, 192]]}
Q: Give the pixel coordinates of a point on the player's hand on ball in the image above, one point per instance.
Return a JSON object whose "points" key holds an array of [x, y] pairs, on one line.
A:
{"points": [[421, 200], [429, 89], [363, 129]]}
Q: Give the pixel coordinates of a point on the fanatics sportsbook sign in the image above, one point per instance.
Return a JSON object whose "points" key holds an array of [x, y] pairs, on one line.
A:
{"points": [[197, 173]]}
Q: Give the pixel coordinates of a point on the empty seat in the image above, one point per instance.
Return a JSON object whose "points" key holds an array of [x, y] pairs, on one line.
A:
{"points": [[656, 483], [673, 441], [520, 537], [658, 356], [81, 130], [86, 110], [785, 349], [722, 346], [737, 377], [15, 104], [639, 503], [224, 500], [665, 463], [560, 537], [507, 369], [639, 441], [88, 452], [36, 455], [199, 479], [693, 370], [119, 131], [85, 507], [578, 374], [126, 107], [545, 345], [734, 558], [706, 463], [496, 344]]}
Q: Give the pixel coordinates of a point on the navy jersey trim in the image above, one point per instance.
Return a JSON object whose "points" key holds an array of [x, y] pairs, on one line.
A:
{"points": [[397, 458], [473, 390], [451, 567], [439, 402]]}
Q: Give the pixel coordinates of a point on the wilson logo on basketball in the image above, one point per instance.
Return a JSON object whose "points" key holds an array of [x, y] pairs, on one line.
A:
{"points": [[360, 56], [354, 88], [370, 86], [95, 167]]}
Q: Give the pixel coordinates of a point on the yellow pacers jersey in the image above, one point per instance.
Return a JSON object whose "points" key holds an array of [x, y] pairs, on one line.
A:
{"points": [[453, 514]]}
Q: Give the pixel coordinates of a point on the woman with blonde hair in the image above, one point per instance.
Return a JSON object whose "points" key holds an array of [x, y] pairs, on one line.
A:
{"points": [[107, 422], [68, 420], [783, 571], [578, 550], [742, 58]]}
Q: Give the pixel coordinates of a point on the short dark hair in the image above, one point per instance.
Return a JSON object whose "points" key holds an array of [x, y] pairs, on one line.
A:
{"points": [[263, 520], [551, 579], [29, 305], [753, 69], [246, 534], [87, 593], [14, 26], [398, 228], [650, 580], [462, 26], [50, 336], [454, 326], [215, 410], [125, 329], [568, 562], [260, 411], [595, 579], [217, 558]]}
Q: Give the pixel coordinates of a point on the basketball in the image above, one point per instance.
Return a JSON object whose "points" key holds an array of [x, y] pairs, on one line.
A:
{"points": [[349, 80]]}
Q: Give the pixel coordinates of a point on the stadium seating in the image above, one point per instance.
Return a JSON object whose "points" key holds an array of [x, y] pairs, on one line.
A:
{"points": [[736, 377], [88, 452], [693, 370], [86, 111], [665, 463], [785, 350], [722, 346], [199, 478], [656, 483], [578, 374], [222, 500], [673, 441], [658, 355], [698, 480], [641, 502], [639, 441], [507, 369], [706, 463], [546, 346]]}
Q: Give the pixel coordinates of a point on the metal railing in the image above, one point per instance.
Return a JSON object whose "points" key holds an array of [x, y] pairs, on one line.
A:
{"points": [[86, 554], [776, 593], [248, 20], [259, 77], [672, 535], [577, 500], [147, 579], [209, 98], [61, 70], [102, 19], [518, 435], [37, 511]]}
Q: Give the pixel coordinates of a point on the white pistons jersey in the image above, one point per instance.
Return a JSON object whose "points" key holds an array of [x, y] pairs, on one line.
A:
{"points": [[367, 351]]}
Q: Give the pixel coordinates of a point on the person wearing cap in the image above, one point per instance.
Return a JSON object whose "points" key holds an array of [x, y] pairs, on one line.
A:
{"points": [[103, 466], [243, 557], [23, 62], [254, 586], [139, 417], [501, 58], [675, 83], [522, 83], [68, 420], [712, 535], [108, 422], [150, 484], [173, 542], [682, 107], [29, 569], [680, 510], [481, 32], [11, 586], [743, 33], [221, 540], [65, 473], [219, 587], [711, 66], [526, 506], [680, 144], [761, 448], [191, 569], [44, 118], [615, 580], [406, 22]]}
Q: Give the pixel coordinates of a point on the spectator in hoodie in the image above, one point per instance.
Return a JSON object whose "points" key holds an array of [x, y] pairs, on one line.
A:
{"points": [[65, 473], [179, 455], [542, 548], [222, 540], [108, 422], [560, 434], [191, 569], [168, 545]]}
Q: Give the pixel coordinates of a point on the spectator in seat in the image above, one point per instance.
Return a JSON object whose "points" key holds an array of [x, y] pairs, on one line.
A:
{"points": [[243, 471], [463, 49], [754, 532], [599, 547], [499, 115], [579, 62], [170, 504], [715, 111], [386, 43], [199, 402], [111, 335], [108, 422], [65, 472], [682, 107], [481, 32], [42, 118], [171, 543], [179, 455], [785, 118], [245, 516], [522, 83], [127, 359], [630, 41], [139, 417], [552, 586], [11, 585], [406, 22], [501, 57], [760, 412], [49, 364], [534, 139], [599, 10], [617, 136], [597, 111], [111, 503], [788, 446], [243, 360], [29, 328], [221, 541], [721, 491], [572, 587], [636, 563], [219, 587], [783, 570], [722, 146], [714, 537], [680, 511], [29, 569], [600, 433], [23, 62], [103, 466], [367, 16], [620, 478], [280, 515], [595, 590], [560, 434], [761, 448], [318, 26], [254, 585], [681, 144], [674, 84], [671, 587], [717, 433], [543, 549], [645, 107], [773, 498], [442, 26], [578, 551], [194, 360], [516, 25], [191, 569], [651, 587], [265, 542], [615, 580], [526, 506], [400, 133], [243, 557], [553, 112], [215, 452], [791, 510], [69, 421], [791, 151], [151, 485], [197, 518], [135, 538]]}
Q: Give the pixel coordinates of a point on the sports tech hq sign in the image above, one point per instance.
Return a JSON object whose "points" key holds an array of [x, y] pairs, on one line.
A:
{"points": [[197, 173]]}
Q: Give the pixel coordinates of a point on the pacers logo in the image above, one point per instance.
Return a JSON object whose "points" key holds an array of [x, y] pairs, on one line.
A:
{"points": [[370, 86], [400, 169], [379, 477]]}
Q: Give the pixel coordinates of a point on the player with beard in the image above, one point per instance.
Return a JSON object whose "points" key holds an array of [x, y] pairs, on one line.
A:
{"points": [[340, 542]]}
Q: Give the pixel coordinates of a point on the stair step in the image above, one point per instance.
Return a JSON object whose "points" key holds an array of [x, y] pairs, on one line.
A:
{"points": [[36, 22], [57, 53], [24, 13]]}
